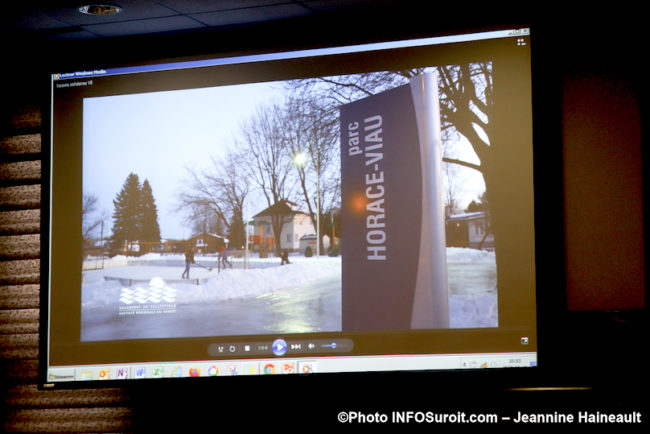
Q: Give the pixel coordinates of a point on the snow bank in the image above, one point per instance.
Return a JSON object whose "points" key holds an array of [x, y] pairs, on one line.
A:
{"points": [[240, 283], [229, 284], [466, 255]]}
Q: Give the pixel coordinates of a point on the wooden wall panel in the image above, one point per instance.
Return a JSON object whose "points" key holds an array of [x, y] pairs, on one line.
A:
{"points": [[26, 408]]}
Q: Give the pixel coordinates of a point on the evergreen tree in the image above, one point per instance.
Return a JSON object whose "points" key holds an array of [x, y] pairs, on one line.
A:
{"points": [[150, 228], [478, 205], [127, 217]]}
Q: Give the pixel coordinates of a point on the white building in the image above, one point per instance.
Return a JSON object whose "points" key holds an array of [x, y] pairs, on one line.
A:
{"points": [[297, 223]]}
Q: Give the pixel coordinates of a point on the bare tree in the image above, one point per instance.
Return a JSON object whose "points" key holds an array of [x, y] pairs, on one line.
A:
{"points": [[217, 191], [90, 219], [453, 189], [466, 103], [466, 98], [312, 143], [265, 161], [208, 222]]}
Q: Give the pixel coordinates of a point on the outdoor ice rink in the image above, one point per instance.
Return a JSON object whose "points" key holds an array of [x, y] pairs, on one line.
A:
{"points": [[145, 297]]}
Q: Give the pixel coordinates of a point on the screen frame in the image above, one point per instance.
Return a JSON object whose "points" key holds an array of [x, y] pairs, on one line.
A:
{"points": [[492, 376]]}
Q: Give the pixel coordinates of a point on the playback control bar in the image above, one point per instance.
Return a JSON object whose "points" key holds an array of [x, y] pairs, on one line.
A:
{"points": [[281, 347]]}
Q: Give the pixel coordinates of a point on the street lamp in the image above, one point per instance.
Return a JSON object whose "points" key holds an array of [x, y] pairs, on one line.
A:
{"points": [[300, 159], [248, 223]]}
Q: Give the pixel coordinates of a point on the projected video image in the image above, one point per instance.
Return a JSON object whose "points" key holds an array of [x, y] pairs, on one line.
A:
{"points": [[228, 210]]}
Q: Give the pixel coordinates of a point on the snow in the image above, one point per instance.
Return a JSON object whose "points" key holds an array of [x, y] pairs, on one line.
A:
{"points": [[472, 281], [464, 255], [471, 276], [265, 276], [240, 283]]}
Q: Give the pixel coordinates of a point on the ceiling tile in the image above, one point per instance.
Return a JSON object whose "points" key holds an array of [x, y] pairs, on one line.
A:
{"points": [[73, 34], [250, 15], [154, 25], [202, 6], [336, 6], [30, 19]]}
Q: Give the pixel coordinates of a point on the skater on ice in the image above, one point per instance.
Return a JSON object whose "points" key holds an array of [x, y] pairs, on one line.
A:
{"points": [[223, 254], [189, 259], [285, 257]]}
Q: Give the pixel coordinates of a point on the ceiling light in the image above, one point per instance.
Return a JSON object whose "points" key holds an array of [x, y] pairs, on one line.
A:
{"points": [[100, 9]]}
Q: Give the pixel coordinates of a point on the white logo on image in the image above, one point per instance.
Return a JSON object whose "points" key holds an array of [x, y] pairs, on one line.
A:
{"points": [[157, 292]]}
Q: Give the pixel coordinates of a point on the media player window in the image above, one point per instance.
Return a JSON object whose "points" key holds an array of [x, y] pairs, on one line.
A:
{"points": [[257, 215]]}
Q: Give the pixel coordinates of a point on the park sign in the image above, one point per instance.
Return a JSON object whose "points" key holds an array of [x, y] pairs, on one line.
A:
{"points": [[394, 273]]}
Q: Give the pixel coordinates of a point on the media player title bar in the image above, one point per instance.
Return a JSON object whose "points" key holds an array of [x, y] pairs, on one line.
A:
{"points": [[297, 54], [80, 74]]}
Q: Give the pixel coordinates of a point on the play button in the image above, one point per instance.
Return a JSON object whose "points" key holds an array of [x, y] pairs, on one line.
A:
{"points": [[279, 347]]}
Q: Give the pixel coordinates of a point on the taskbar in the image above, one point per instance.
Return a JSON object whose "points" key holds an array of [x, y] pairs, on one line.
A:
{"points": [[288, 366]]}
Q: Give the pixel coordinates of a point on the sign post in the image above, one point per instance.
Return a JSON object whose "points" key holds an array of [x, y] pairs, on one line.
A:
{"points": [[393, 229], [431, 300]]}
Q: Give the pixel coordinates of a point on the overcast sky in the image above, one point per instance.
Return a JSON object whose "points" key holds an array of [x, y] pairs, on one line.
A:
{"points": [[157, 135]]}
